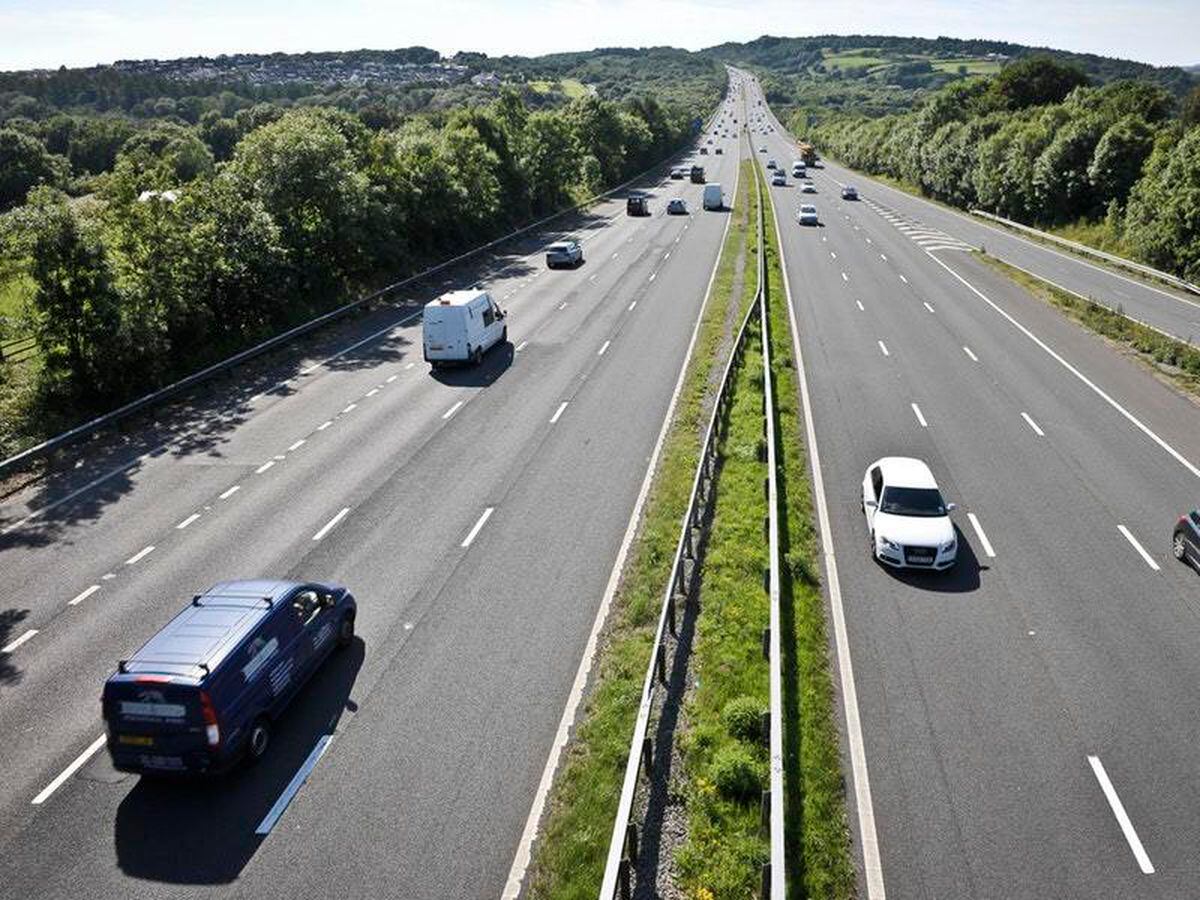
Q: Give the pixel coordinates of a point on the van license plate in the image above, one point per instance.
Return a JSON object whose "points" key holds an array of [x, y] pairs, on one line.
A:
{"points": [[136, 740]]}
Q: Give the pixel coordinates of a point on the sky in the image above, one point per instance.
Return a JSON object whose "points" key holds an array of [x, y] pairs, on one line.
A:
{"points": [[51, 33]]}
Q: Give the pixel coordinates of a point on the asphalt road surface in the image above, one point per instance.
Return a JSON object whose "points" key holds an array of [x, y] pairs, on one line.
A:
{"points": [[1027, 719], [476, 514]]}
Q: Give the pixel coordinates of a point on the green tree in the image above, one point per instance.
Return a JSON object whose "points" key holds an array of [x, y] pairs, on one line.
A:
{"points": [[1162, 220], [25, 163], [551, 159], [1062, 188], [1036, 81], [1119, 157]]}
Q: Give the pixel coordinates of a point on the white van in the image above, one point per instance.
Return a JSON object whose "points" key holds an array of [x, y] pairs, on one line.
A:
{"points": [[713, 198], [461, 326]]}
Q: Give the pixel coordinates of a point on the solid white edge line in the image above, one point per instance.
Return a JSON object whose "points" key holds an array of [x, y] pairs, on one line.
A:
{"points": [[983, 538], [868, 839], [188, 521], [1032, 424], [81, 596], [920, 418], [226, 494], [10, 647], [331, 524], [70, 770], [293, 787], [452, 410], [1118, 811], [1178, 457], [524, 852], [478, 526], [140, 555], [558, 412], [1138, 547]]}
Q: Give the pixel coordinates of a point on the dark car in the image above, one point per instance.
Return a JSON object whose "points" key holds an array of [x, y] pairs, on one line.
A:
{"points": [[637, 205], [202, 693], [1185, 542], [849, 192], [697, 174]]}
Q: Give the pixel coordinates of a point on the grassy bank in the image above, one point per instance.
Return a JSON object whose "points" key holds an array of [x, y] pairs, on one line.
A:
{"points": [[819, 858], [1177, 360], [569, 855]]}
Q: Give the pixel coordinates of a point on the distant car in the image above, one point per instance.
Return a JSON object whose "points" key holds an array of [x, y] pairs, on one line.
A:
{"points": [[564, 253], [1185, 542], [798, 170], [807, 215], [709, 141], [676, 207], [637, 205], [679, 172], [204, 692], [770, 164], [696, 174], [718, 151], [779, 179], [849, 192], [808, 187], [907, 519], [762, 149], [704, 150]]}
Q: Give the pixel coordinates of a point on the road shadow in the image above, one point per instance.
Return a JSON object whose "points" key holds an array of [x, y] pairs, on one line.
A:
{"points": [[962, 578], [202, 831], [10, 622], [495, 363]]}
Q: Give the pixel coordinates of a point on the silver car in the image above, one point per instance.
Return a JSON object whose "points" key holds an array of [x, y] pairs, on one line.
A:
{"points": [[807, 215], [564, 253]]}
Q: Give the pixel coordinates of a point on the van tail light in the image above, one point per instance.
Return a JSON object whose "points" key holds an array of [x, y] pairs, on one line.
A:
{"points": [[212, 731]]}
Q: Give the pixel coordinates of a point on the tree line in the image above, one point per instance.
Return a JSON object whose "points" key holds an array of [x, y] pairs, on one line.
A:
{"points": [[1039, 144], [202, 240]]}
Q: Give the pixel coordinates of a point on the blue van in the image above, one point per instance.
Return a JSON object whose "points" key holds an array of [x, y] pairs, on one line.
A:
{"points": [[202, 693]]}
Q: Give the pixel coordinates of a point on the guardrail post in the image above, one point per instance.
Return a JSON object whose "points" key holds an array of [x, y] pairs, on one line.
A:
{"points": [[671, 612], [631, 843], [661, 653], [765, 810], [647, 755], [766, 643], [765, 887], [623, 880]]}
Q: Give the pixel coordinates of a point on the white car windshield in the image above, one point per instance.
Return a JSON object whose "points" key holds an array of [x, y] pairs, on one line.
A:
{"points": [[902, 501]]}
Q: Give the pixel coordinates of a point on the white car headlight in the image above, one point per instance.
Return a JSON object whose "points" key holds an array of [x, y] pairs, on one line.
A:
{"points": [[884, 542], [948, 546]]}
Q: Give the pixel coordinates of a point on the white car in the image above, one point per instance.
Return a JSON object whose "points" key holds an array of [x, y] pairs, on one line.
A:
{"points": [[808, 188], [807, 215], [907, 519], [564, 253]]}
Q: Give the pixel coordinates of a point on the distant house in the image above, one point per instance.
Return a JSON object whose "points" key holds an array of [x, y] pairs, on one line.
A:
{"points": [[486, 79]]}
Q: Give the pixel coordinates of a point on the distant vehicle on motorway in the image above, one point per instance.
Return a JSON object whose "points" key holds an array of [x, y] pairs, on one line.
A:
{"points": [[849, 192], [1185, 541], [779, 179], [461, 326], [907, 519], [807, 215], [203, 693], [697, 174], [564, 253], [718, 151], [770, 163], [762, 149], [637, 205], [679, 172], [714, 198], [704, 150], [808, 188], [676, 207], [798, 170]]}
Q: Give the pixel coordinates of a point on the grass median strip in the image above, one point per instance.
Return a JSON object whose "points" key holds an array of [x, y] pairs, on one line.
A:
{"points": [[1177, 360], [568, 857], [819, 859]]}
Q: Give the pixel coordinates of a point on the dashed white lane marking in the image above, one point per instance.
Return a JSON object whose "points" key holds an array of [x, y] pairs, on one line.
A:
{"points": [[331, 524], [521, 346], [987, 545], [845, 277], [967, 350], [392, 378], [615, 252], [667, 255], [293, 787], [591, 278], [188, 521], [13, 645], [297, 445], [905, 280], [860, 306], [883, 348], [884, 258], [604, 348], [868, 240], [632, 306], [478, 526], [1118, 810], [452, 410], [409, 366], [271, 462], [372, 392], [927, 306], [1032, 424], [832, 255], [558, 412], [920, 418], [653, 275], [1149, 560], [140, 555], [562, 305], [350, 408], [226, 494], [70, 770], [324, 424], [85, 593]]}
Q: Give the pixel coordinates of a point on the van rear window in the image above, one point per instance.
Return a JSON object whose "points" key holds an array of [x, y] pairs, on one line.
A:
{"points": [[133, 709]]}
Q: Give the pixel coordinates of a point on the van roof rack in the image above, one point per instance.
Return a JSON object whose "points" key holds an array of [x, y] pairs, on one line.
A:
{"points": [[123, 665], [266, 598]]}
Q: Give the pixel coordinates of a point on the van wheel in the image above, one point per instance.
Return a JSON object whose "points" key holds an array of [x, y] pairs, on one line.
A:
{"points": [[346, 631], [259, 740]]}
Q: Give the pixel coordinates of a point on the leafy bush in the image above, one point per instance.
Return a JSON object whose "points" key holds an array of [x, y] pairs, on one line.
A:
{"points": [[736, 773], [742, 718]]}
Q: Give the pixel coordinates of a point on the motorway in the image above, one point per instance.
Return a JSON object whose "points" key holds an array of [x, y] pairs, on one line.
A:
{"points": [[477, 516], [1027, 725]]}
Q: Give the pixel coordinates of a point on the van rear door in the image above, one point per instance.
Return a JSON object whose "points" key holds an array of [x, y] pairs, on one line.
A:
{"points": [[153, 721], [443, 332]]}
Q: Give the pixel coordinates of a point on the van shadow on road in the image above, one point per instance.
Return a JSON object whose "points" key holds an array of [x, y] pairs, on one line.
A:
{"points": [[495, 363], [10, 620], [202, 831]]}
